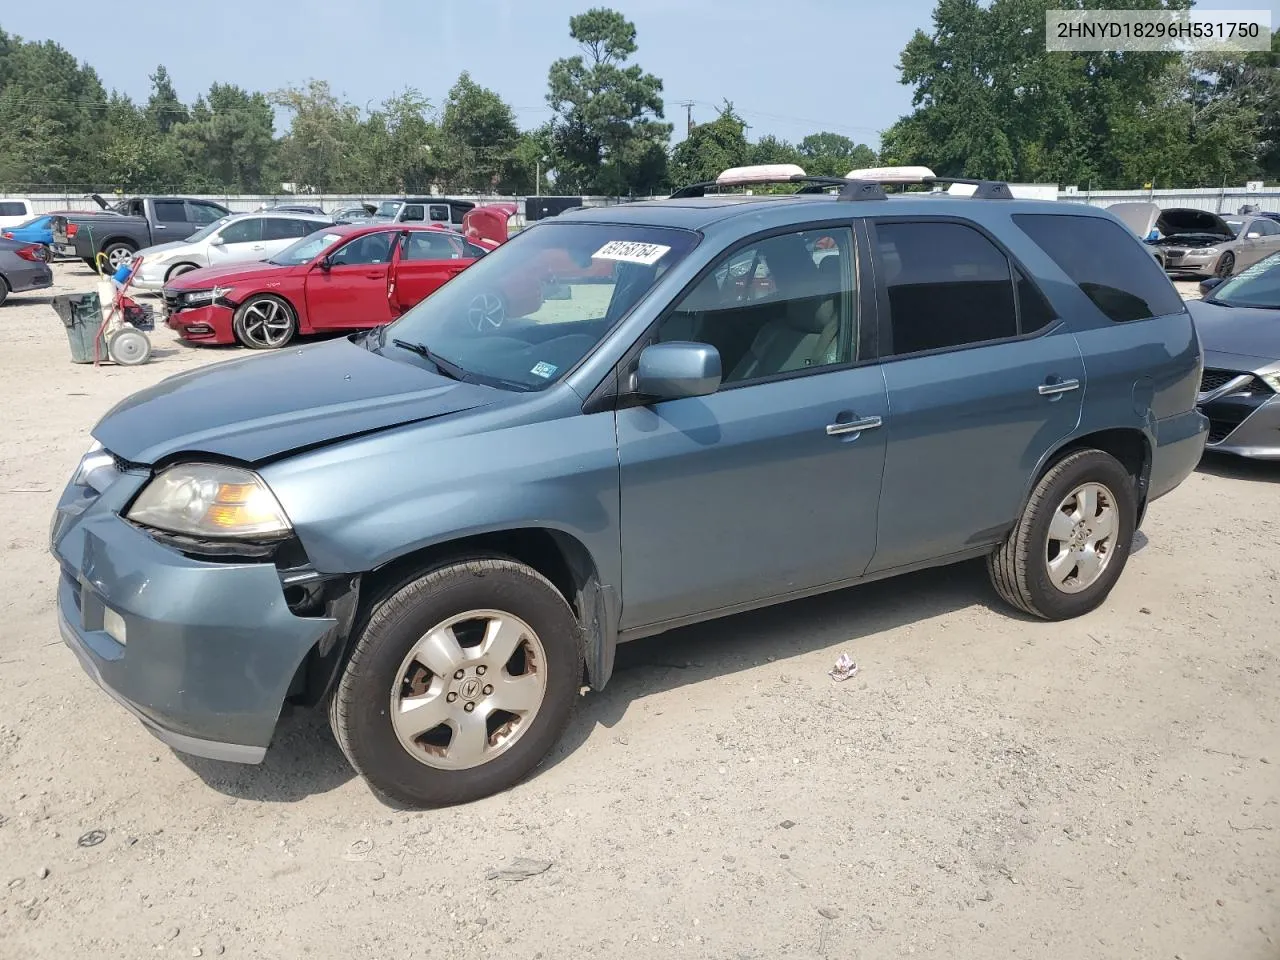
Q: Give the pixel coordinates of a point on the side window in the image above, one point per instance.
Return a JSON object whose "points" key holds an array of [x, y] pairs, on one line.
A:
{"points": [[472, 251], [283, 228], [458, 214], [429, 245], [171, 211], [1265, 227], [785, 304], [412, 213], [948, 286], [1106, 262], [13, 208], [1034, 311], [369, 249], [203, 213], [243, 231], [439, 213]]}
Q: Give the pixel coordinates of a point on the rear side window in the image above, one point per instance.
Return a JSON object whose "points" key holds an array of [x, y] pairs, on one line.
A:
{"points": [[282, 228], [948, 286], [12, 208], [170, 211], [1106, 262]]}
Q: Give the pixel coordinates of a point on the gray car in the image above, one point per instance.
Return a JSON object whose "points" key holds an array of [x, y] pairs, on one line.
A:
{"points": [[23, 267], [1239, 326], [442, 528]]}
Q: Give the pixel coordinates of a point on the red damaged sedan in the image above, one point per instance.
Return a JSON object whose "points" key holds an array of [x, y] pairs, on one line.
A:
{"points": [[339, 278]]}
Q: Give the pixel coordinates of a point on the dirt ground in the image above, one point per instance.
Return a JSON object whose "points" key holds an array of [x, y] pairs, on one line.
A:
{"points": [[986, 786]]}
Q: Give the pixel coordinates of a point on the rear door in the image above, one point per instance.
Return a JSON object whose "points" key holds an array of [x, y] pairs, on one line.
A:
{"points": [[427, 260], [353, 292], [983, 380], [169, 220], [280, 232]]}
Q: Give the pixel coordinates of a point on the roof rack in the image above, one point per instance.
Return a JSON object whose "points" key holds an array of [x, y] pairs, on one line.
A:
{"points": [[864, 184]]}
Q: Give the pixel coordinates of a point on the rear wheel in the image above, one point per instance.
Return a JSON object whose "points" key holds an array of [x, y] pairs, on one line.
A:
{"points": [[1226, 265], [118, 254], [1072, 542], [459, 683], [264, 322], [4, 290]]}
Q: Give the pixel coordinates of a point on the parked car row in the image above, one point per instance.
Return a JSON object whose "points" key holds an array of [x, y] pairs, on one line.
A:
{"points": [[1197, 243]]}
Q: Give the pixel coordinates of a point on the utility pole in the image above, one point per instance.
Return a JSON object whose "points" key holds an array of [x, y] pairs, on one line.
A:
{"points": [[688, 106]]}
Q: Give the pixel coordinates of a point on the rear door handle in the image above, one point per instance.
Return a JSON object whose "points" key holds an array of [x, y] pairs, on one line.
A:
{"points": [[853, 426], [1060, 386]]}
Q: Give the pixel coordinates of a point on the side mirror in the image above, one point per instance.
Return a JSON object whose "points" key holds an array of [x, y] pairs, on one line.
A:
{"points": [[217, 241], [1207, 286], [1252, 236], [325, 264], [676, 371]]}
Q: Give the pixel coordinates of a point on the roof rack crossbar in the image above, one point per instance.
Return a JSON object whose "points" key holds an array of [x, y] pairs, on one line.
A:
{"points": [[986, 189], [811, 185], [868, 189]]}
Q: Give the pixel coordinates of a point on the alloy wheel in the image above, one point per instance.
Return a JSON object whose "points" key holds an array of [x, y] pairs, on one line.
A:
{"points": [[267, 322], [1081, 540], [469, 689]]}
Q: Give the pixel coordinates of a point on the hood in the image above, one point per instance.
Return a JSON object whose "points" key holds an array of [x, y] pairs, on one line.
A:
{"points": [[1183, 220], [1139, 217], [259, 407], [1250, 333], [206, 277], [161, 248]]}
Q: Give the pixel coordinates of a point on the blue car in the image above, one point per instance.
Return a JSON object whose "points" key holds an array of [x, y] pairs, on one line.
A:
{"points": [[49, 230], [441, 528]]}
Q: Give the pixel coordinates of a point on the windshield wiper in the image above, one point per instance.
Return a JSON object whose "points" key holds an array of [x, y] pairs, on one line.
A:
{"points": [[450, 370]]}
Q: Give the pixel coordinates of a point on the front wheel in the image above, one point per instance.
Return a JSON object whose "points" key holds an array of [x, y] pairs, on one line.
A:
{"points": [[1226, 265], [459, 683], [264, 322], [179, 270], [1072, 542]]}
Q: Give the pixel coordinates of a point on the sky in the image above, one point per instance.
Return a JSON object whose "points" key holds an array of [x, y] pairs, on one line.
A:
{"points": [[790, 67]]}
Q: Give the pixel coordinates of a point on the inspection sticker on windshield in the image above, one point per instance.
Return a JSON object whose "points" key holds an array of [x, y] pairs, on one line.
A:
{"points": [[543, 369], [629, 251]]}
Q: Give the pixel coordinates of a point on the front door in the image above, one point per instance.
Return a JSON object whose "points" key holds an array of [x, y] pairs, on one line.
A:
{"points": [[770, 485], [983, 380], [426, 260], [241, 241], [1259, 238], [352, 293]]}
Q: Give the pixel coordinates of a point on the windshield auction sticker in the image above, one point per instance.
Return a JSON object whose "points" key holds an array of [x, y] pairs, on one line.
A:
{"points": [[629, 251]]}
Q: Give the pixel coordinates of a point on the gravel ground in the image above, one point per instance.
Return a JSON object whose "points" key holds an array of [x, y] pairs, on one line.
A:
{"points": [[985, 786]]}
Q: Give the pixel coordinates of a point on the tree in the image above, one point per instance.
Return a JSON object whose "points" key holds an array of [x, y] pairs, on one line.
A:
{"points": [[401, 145], [164, 110], [833, 155], [323, 150], [478, 137], [711, 148], [607, 128], [229, 141]]}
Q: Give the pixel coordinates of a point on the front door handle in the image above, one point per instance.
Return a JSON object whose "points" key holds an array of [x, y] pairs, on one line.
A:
{"points": [[1059, 386], [853, 426]]}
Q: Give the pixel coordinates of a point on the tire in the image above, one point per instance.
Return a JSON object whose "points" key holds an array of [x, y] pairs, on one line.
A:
{"points": [[1226, 265], [4, 290], [1021, 569], [128, 347], [265, 322], [178, 270], [118, 253], [381, 671]]}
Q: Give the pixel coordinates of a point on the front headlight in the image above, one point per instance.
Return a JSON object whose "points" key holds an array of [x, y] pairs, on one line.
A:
{"points": [[205, 296], [1272, 380], [210, 500], [1207, 252]]}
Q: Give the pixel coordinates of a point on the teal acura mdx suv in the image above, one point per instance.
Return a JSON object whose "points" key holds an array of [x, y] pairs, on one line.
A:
{"points": [[624, 420]]}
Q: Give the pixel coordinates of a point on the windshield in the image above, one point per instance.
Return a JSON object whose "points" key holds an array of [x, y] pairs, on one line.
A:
{"points": [[522, 316], [389, 208], [204, 233], [1235, 223], [1258, 286], [306, 249]]}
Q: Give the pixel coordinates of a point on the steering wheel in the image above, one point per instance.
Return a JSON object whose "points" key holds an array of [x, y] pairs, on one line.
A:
{"points": [[487, 312]]}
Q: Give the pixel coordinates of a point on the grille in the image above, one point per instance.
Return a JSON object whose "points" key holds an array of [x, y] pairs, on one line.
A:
{"points": [[124, 466], [1220, 430], [171, 300], [1213, 379]]}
